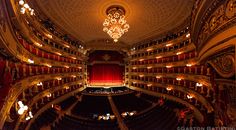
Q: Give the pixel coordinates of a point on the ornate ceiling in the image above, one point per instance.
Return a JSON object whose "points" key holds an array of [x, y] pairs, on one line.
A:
{"points": [[147, 18]]}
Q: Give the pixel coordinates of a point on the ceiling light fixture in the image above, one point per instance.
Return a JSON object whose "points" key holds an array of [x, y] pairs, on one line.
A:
{"points": [[115, 24]]}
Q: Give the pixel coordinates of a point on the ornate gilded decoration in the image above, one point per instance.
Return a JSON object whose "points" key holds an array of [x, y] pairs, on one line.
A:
{"points": [[224, 65], [230, 8], [106, 57], [2, 19], [219, 16]]}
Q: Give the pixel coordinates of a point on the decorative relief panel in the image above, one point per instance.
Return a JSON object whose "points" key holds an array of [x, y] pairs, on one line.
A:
{"points": [[221, 18], [230, 9], [224, 65]]}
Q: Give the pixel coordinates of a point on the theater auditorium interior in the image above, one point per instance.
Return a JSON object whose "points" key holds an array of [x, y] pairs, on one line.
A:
{"points": [[117, 64]]}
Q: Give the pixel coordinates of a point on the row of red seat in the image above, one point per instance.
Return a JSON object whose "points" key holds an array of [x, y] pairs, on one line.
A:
{"points": [[158, 50], [163, 40], [172, 81], [56, 94], [196, 69], [48, 41], [40, 53], [178, 94], [174, 58], [18, 71], [11, 72], [30, 92], [26, 70], [51, 83], [48, 25]]}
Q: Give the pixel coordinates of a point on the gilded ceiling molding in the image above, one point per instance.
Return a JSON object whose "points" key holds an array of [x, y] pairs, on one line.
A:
{"points": [[58, 16], [224, 64], [197, 113]]}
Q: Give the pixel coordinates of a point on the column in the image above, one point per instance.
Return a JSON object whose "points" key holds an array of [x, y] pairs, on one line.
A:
{"points": [[36, 105], [42, 101], [30, 91], [202, 89], [202, 70], [208, 93], [23, 96], [36, 89]]}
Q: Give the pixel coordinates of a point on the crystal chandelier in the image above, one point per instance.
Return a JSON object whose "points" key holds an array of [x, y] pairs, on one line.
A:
{"points": [[115, 24]]}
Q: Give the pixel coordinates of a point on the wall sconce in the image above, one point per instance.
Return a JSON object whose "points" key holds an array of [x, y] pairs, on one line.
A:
{"points": [[178, 79], [39, 84], [198, 84], [22, 108], [168, 88], [189, 96], [30, 61]]}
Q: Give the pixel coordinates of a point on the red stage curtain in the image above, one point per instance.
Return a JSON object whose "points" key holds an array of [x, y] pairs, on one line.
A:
{"points": [[106, 73]]}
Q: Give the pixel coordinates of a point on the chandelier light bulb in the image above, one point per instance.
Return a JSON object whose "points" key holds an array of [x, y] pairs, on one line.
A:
{"points": [[21, 2], [25, 107], [26, 6], [22, 10], [115, 24], [20, 111]]}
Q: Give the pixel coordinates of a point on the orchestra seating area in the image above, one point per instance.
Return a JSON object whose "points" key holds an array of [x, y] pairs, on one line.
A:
{"points": [[149, 97], [91, 105], [130, 102], [160, 118], [46, 118], [71, 123], [84, 115], [67, 103]]}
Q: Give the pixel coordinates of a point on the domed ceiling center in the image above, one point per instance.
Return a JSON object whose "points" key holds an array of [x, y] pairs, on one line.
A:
{"points": [[147, 18]]}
